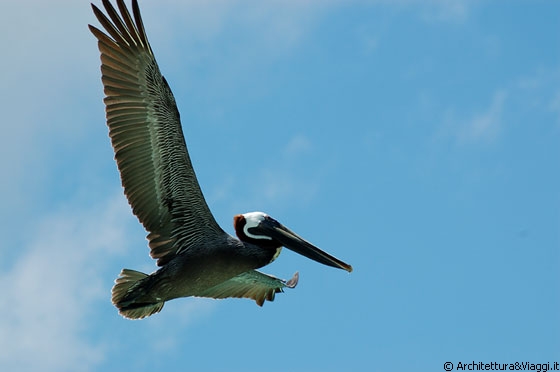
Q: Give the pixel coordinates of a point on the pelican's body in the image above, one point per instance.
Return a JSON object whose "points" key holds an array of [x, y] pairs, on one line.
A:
{"points": [[196, 257]]}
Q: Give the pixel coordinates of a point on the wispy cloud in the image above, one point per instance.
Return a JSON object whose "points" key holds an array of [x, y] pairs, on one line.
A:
{"points": [[431, 10], [62, 279], [445, 10], [55, 286], [297, 145], [280, 24], [538, 90], [483, 127], [46, 89], [274, 184], [280, 186], [282, 183], [486, 125]]}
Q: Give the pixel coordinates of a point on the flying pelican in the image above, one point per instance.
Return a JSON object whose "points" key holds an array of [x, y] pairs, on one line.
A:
{"points": [[196, 257]]}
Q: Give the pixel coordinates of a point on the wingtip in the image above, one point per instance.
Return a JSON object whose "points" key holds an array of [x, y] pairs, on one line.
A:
{"points": [[294, 281]]}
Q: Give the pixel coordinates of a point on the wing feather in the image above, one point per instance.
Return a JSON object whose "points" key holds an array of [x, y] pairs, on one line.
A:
{"points": [[251, 284], [147, 137]]}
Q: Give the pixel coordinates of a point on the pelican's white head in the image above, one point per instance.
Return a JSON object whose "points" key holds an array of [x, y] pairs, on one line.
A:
{"points": [[253, 219]]}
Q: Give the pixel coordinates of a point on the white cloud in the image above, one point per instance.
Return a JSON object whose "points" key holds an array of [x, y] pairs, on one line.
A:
{"points": [[55, 285], [446, 10], [297, 145], [430, 10], [282, 186], [538, 90], [61, 280], [485, 126], [275, 183], [280, 24], [48, 73]]}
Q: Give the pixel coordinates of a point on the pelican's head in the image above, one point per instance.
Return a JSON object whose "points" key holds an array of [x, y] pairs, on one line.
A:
{"points": [[264, 231]]}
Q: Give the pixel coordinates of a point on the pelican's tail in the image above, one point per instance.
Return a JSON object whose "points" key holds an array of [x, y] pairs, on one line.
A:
{"points": [[130, 295]]}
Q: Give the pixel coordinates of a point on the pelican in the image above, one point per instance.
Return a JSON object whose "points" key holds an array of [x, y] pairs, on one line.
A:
{"points": [[195, 256]]}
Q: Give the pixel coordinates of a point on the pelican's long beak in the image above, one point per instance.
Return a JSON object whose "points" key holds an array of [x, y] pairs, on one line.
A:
{"points": [[270, 227]]}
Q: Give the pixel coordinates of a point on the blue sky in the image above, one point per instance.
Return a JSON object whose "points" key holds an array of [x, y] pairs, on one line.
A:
{"points": [[416, 140]]}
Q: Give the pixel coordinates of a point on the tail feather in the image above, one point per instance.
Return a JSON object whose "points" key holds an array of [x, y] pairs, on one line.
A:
{"points": [[126, 292]]}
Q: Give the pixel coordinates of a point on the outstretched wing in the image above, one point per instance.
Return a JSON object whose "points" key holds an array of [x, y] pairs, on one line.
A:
{"points": [[251, 284], [146, 134]]}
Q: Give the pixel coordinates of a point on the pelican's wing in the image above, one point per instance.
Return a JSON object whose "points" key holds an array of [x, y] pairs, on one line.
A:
{"points": [[145, 130], [251, 284]]}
